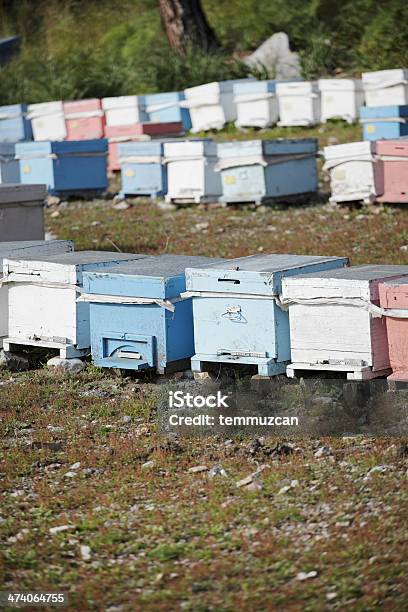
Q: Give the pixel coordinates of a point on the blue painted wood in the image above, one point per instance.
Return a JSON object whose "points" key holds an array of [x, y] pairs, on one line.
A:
{"points": [[156, 335], [70, 167], [14, 126], [253, 87], [9, 167], [165, 107], [384, 122], [257, 170], [231, 324], [144, 175]]}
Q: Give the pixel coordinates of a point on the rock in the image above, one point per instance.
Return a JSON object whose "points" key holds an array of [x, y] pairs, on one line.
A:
{"points": [[121, 206], [148, 465], [74, 366], [275, 56], [15, 362], [85, 552], [76, 466], [55, 214], [70, 474], [330, 596], [245, 481], [203, 377], [126, 419], [52, 200], [255, 485], [166, 205], [60, 528], [404, 247], [323, 451], [217, 470], [202, 226], [50, 236], [332, 140], [306, 575], [380, 469], [197, 468]]}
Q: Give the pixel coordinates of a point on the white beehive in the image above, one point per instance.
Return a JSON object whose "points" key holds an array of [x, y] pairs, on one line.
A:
{"points": [[386, 87], [353, 172], [51, 285], [124, 110], [335, 322], [299, 103], [341, 99], [47, 121], [22, 212], [24, 249]]}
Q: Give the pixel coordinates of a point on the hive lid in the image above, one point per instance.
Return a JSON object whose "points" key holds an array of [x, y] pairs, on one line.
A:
{"points": [[162, 98], [296, 88], [122, 102], [364, 148], [392, 148], [20, 248], [12, 111], [254, 87], [383, 112], [77, 106], [340, 84], [190, 148], [394, 293], [44, 108], [141, 148], [68, 147], [257, 274], [284, 146], [15, 192], [384, 78]]}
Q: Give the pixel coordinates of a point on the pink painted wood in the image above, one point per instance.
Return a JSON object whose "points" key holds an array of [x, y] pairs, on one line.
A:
{"points": [[394, 294], [87, 126], [138, 131], [393, 171]]}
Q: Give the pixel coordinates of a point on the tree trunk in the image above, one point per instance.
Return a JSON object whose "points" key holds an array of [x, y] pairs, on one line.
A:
{"points": [[184, 22]]}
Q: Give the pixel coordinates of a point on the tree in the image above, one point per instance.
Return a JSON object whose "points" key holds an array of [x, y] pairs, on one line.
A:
{"points": [[185, 23]]}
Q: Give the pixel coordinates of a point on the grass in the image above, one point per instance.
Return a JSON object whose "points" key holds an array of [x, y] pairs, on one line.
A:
{"points": [[160, 537]]}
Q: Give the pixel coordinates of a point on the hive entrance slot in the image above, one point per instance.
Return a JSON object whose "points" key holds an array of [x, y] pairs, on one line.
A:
{"points": [[232, 281]]}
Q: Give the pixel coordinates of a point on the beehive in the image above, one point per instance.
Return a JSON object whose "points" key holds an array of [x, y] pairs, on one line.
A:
{"points": [[257, 104], [51, 285], [165, 108], [67, 168], [211, 105], [191, 175], [299, 103], [142, 169], [237, 315], [47, 121], [393, 170], [386, 87], [257, 170], [22, 212], [14, 125], [354, 172], [9, 166], [341, 99], [386, 122], [335, 323], [138, 320], [85, 119], [394, 301], [124, 110], [22, 248]]}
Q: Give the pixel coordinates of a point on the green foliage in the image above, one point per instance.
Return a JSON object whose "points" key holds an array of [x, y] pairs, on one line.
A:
{"points": [[72, 49]]}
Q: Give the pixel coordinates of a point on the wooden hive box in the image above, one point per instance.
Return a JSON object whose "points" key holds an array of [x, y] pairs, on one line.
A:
{"points": [[138, 320], [388, 122], [257, 104], [22, 212], [299, 103], [9, 166], [335, 323], [211, 105], [75, 167], [85, 119], [136, 133], [394, 299], [386, 87], [142, 169], [165, 108], [47, 121], [191, 175], [341, 99], [237, 316], [354, 172], [14, 125], [51, 285], [124, 110], [258, 170], [22, 248], [393, 170]]}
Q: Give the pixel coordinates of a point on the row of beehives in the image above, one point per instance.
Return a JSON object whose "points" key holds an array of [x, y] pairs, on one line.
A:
{"points": [[196, 170], [247, 102], [278, 313]]}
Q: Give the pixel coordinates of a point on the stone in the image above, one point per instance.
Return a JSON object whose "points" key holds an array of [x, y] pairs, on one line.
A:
{"points": [[245, 481], [197, 468], [323, 451], [275, 57], [85, 552], [306, 575], [148, 465], [76, 466], [255, 485], [74, 366], [70, 474], [52, 200], [217, 470], [165, 205], [60, 529], [126, 419], [121, 206], [15, 362], [203, 377]]}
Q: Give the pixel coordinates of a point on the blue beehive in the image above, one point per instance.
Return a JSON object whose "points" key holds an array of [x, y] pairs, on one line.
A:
{"points": [[384, 122], [67, 168], [142, 169], [237, 315], [9, 167], [257, 170], [14, 126], [165, 108], [137, 318]]}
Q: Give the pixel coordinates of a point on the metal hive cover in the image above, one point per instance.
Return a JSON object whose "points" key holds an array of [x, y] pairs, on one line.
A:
{"points": [[81, 257], [363, 273], [162, 266], [270, 263]]}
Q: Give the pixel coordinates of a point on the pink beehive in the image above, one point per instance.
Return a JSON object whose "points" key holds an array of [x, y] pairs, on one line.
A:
{"points": [[394, 296], [393, 168], [85, 119], [138, 131]]}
